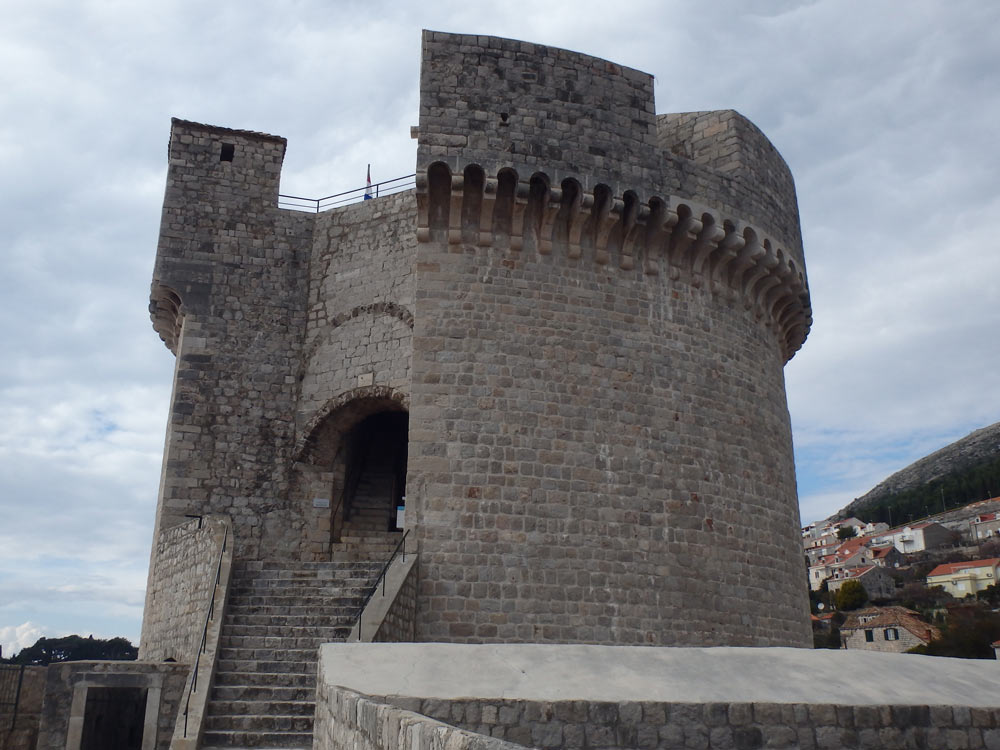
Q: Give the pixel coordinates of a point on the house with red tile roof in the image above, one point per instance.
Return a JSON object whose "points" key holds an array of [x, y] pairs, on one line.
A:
{"points": [[852, 553], [962, 579], [893, 629]]}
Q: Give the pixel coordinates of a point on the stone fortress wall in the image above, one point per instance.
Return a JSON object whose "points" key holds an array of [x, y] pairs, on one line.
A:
{"points": [[585, 309], [604, 453], [181, 585]]}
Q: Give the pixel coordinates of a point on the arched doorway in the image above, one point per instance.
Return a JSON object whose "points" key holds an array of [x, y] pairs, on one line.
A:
{"points": [[373, 489], [350, 473]]}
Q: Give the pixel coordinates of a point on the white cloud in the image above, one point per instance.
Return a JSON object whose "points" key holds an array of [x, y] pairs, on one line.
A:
{"points": [[886, 118], [13, 638]]}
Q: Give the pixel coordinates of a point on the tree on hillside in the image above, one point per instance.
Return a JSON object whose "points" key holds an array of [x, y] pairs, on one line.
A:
{"points": [[967, 634], [851, 595], [846, 532], [990, 595], [46, 651], [989, 548], [917, 596], [953, 490]]}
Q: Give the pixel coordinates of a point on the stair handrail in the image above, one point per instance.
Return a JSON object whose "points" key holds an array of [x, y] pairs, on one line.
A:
{"points": [[209, 616], [401, 544], [372, 190]]}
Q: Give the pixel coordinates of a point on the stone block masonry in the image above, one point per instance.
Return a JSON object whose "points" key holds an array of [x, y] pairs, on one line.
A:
{"points": [[22, 690], [583, 307], [604, 452], [70, 684], [613, 698], [182, 583]]}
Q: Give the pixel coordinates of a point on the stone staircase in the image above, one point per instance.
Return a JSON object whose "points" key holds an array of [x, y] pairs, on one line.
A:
{"points": [[367, 545], [278, 614], [367, 534]]}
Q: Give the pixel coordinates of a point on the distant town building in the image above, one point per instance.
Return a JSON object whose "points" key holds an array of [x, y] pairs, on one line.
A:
{"points": [[985, 526], [852, 553], [915, 537], [964, 578], [893, 629], [887, 557], [877, 582]]}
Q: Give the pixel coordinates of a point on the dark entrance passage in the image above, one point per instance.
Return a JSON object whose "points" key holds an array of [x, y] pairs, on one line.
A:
{"points": [[375, 472], [113, 718]]}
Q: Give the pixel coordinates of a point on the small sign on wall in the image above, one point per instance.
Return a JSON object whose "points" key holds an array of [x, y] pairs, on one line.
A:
{"points": [[321, 502], [367, 379]]}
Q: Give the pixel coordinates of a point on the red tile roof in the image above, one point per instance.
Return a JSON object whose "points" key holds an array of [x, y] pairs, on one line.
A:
{"points": [[949, 568], [887, 617]]}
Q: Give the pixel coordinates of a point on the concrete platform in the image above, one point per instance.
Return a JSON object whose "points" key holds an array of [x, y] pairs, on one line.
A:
{"points": [[536, 672]]}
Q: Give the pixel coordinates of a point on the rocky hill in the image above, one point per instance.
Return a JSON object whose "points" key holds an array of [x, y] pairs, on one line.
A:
{"points": [[963, 472]]}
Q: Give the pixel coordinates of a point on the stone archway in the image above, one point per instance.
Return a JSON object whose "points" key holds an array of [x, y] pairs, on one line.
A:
{"points": [[351, 463]]}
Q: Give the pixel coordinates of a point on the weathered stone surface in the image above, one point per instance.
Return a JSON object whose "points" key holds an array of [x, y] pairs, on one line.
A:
{"points": [[586, 322], [22, 689], [68, 683]]}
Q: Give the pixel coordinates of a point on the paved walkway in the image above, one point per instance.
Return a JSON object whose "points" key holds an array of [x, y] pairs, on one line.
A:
{"points": [[688, 675]]}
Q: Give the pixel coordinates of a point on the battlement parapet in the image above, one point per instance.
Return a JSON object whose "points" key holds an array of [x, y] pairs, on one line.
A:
{"points": [[562, 352], [507, 103], [669, 234], [533, 148]]}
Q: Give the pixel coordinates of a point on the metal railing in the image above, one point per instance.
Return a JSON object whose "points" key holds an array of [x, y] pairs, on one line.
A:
{"points": [[375, 190], [401, 544], [204, 631], [11, 678]]}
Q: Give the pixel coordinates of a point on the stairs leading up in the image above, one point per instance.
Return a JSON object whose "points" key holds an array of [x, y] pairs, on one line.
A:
{"points": [[366, 545], [278, 614]]}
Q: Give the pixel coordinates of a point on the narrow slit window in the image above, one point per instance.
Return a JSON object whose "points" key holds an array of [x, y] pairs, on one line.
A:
{"points": [[228, 151]]}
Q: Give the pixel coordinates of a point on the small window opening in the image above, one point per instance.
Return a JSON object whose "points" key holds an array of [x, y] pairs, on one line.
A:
{"points": [[870, 636], [228, 151]]}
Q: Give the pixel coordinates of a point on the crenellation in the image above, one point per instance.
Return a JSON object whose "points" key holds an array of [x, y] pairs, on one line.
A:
{"points": [[583, 308]]}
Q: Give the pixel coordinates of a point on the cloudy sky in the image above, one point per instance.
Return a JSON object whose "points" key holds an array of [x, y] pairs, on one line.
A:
{"points": [[886, 110]]}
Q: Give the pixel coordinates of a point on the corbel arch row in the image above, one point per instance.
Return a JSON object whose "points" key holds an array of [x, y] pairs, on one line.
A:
{"points": [[661, 234]]}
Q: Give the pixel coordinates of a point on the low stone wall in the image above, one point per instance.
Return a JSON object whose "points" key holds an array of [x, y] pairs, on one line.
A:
{"points": [[390, 614], [180, 586], [399, 624], [346, 720], [19, 724], [746, 726], [66, 687], [402, 696]]}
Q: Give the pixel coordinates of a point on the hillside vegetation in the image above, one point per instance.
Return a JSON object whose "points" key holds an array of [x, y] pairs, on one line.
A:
{"points": [[958, 474]]}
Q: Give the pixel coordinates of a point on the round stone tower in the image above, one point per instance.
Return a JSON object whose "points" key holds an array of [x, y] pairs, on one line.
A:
{"points": [[600, 447], [563, 351]]}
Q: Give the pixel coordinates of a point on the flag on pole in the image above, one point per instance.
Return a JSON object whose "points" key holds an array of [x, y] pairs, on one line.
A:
{"points": [[368, 185]]}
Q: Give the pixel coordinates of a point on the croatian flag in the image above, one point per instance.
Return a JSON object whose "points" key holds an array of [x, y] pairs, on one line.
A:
{"points": [[368, 187]]}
